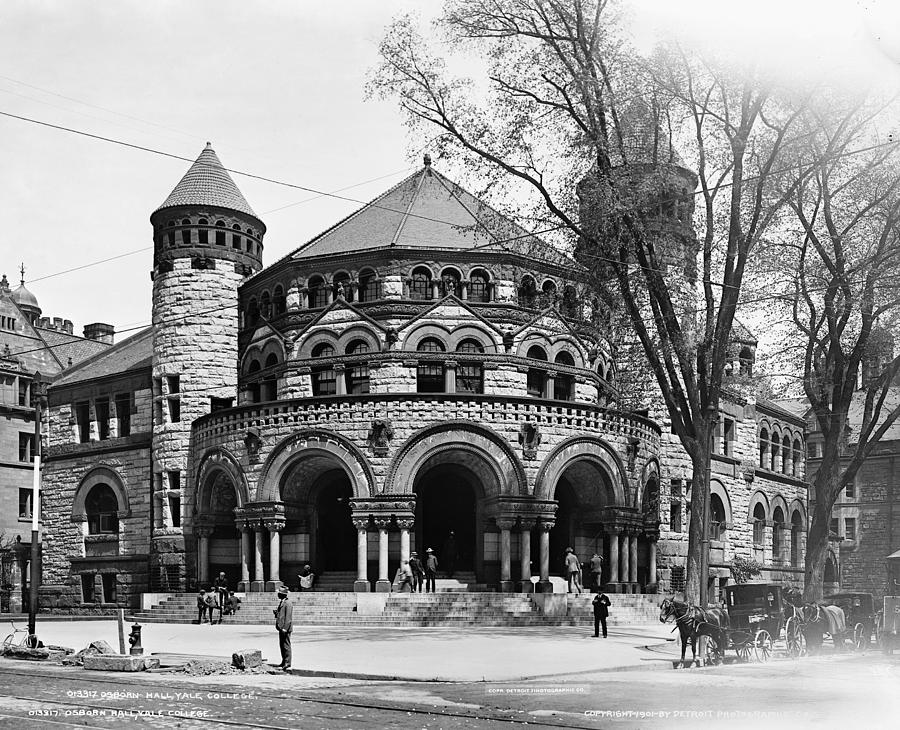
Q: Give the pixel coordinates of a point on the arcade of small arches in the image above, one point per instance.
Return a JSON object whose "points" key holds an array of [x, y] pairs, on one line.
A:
{"points": [[781, 449], [316, 503], [421, 284], [446, 362], [202, 231], [787, 524]]}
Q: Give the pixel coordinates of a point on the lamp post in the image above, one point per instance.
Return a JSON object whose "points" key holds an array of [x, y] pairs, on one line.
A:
{"points": [[38, 393]]}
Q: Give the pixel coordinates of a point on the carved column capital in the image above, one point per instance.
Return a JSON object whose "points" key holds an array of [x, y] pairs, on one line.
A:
{"points": [[505, 523], [383, 523], [361, 523], [274, 525], [405, 523], [203, 531], [545, 525], [526, 524]]}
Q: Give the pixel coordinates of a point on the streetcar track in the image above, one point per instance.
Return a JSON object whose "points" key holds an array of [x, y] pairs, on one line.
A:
{"points": [[294, 698]]}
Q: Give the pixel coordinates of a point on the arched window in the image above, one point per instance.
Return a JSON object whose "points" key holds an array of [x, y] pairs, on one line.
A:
{"points": [[759, 525], [469, 374], [102, 507], [716, 517], [430, 373], [420, 285], [763, 449], [777, 535], [341, 286], [270, 384], [798, 458], [202, 233], [316, 292], [279, 303], [548, 294], [651, 498], [774, 453], [357, 373], [536, 375], [252, 313], [569, 305], [324, 380], [254, 388], [528, 292], [265, 305], [787, 461], [236, 237], [220, 233], [796, 533], [479, 286], [368, 286], [563, 383], [746, 361], [450, 283], [186, 232]]}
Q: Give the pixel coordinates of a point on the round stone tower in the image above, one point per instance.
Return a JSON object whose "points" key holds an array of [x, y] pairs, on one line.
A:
{"points": [[207, 241]]}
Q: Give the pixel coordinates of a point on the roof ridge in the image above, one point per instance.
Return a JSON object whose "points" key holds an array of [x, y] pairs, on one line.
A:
{"points": [[412, 202], [109, 350]]}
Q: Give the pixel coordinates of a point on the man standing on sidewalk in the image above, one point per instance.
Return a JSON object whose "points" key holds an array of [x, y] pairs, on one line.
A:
{"points": [[601, 611], [284, 623]]}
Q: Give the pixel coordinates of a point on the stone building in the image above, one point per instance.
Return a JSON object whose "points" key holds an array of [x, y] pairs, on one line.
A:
{"points": [[423, 374], [29, 343]]}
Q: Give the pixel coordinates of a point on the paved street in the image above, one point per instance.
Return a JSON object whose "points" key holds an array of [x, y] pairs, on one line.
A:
{"points": [[828, 691]]}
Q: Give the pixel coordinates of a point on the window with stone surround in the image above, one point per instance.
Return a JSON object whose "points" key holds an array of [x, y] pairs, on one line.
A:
{"points": [[717, 524], [420, 284], [123, 413], [174, 407], [469, 374], [797, 466], [357, 373], [186, 232], [430, 376], [479, 286], [202, 233], [536, 376], [813, 449], [850, 528], [367, 289], [101, 409], [777, 535], [25, 495], [787, 459], [101, 507], [450, 283], [108, 581], [175, 509], [796, 534], [87, 587], [220, 234], [236, 237], [528, 292], [265, 305], [548, 294], [563, 383], [759, 526], [24, 388], [316, 292], [83, 421], [834, 527], [774, 453], [340, 284], [569, 305], [728, 431], [26, 447], [850, 492], [746, 362], [324, 378], [763, 449], [279, 303], [173, 398]]}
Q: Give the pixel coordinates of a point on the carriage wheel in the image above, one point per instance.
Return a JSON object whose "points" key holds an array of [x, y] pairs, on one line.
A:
{"points": [[860, 638], [712, 655], [744, 651], [793, 637], [762, 645]]}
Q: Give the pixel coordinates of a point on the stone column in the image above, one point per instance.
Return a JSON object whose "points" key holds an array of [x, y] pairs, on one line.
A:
{"points": [[340, 379], [505, 525], [614, 558], [545, 527], [653, 560], [632, 559], [464, 286], [525, 526], [203, 556], [304, 298], [292, 296], [259, 580], [244, 584], [383, 584], [362, 555], [549, 385], [329, 293], [405, 526], [450, 376], [274, 527], [435, 288], [623, 560], [406, 282]]}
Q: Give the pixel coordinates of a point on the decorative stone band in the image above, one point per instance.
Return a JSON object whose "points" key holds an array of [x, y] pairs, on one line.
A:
{"points": [[397, 510]]}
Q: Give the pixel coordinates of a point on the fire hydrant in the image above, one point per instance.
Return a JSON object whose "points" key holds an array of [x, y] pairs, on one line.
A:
{"points": [[134, 638]]}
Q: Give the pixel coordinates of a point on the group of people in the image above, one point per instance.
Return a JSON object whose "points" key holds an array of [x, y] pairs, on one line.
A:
{"points": [[218, 598], [414, 573], [601, 601]]}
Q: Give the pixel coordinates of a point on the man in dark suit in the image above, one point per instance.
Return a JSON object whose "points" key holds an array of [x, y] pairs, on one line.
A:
{"points": [[284, 623], [601, 611]]}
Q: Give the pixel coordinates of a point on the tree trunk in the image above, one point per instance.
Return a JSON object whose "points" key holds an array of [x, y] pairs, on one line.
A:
{"points": [[699, 506], [824, 484]]}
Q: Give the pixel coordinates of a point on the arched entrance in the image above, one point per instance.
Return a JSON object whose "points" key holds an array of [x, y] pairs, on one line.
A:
{"points": [[335, 537], [217, 509]]}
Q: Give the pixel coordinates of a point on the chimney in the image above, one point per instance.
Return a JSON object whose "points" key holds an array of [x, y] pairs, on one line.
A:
{"points": [[57, 324], [68, 326], [100, 332]]}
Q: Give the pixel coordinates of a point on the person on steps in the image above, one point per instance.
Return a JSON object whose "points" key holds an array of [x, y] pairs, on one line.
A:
{"points": [[601, 611]]}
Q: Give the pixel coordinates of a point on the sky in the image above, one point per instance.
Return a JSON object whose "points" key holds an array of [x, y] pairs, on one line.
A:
{"points": [[278, 88]]}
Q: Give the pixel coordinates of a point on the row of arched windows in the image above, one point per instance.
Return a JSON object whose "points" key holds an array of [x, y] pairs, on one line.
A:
{"points": [[530, 297], [778, 533], [780, 454], [218, 234]]}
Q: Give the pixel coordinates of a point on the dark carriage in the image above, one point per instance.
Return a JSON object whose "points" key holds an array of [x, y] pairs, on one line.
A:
{"points": [[860, 613]]}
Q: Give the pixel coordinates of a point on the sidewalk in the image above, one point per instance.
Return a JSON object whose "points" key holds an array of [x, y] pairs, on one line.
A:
{"points": [[417, 654]]}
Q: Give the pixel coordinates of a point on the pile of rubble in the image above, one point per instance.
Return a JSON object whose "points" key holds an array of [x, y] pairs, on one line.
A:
{"points": [[242, 662]]}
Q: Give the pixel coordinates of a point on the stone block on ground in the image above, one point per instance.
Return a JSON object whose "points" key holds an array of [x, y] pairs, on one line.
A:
{"points": [[119, 663], [22, 652], [247, 658]]}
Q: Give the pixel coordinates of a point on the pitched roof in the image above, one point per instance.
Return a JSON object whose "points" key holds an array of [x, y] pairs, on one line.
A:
{"points": [[71, 347], [207, 182], [131, 354], [429, 211]]}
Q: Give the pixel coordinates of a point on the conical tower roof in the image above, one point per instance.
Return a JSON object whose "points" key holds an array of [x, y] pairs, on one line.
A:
{"points": [[207, 182]]}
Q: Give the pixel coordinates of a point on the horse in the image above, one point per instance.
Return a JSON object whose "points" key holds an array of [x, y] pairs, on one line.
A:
{"points": [[693, 621], [816, 620]]}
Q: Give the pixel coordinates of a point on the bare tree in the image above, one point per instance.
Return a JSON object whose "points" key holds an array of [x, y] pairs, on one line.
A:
{"points": [[562, 98], [844, 301]]}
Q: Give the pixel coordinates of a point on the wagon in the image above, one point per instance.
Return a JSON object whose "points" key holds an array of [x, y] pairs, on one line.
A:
{"points": [[860, 613], [756, 619]]}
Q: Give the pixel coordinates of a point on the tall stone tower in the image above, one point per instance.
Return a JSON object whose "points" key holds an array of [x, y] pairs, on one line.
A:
{"points": [[207, 240]]}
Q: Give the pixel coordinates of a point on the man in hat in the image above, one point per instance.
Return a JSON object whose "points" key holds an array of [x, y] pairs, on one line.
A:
{"points": [[284, 623], [415, 564], [431, 567], [601, 611], [596, 571], [573, 571]]}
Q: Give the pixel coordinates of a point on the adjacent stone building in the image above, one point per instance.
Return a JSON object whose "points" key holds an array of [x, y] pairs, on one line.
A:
{"points": [[424, 374]]}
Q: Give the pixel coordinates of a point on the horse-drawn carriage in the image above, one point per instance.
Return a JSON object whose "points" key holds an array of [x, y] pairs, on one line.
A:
{"points": [[859, 613]]}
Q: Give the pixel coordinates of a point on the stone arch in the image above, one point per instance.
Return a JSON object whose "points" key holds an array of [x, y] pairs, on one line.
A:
{"points": [[716, 487], [797, 507], [579, 448], [412, 338], [779, 501], [219, 460], [359, 332], [649, 474], [531, 339], [306, 347], [479, 441], [758, 498], [569, 344], [100, 475], [468, 331], [288, 450]]}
